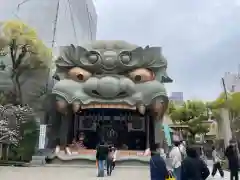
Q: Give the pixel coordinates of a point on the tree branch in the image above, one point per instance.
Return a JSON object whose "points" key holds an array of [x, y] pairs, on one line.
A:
{"points": [[21, 56], [3, 137], [12, 47]]}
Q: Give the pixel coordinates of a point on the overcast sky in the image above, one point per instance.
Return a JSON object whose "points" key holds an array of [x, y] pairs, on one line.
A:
{"points": [[200, 38]]}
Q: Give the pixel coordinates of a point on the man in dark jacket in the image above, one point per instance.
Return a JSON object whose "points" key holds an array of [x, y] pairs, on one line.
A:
{"points": [[193, 168], [101, 156], [232, 156], [158, 169]]}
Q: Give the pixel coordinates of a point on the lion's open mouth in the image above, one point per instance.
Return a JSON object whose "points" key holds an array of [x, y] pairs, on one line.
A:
{"points": [[140, 108], [77, 107], [112, 124], [108, 106]]}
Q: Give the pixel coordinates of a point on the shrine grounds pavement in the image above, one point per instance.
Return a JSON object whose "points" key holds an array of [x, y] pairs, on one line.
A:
{"points": [[76, 173]]}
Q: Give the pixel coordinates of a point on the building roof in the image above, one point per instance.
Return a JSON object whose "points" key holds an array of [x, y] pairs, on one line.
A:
{"points": [[167, 79]]}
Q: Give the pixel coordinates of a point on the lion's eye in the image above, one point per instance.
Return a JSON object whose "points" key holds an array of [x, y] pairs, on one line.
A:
{"points": [[79, 74], [93, 57], [142, 75], [125, 57]]}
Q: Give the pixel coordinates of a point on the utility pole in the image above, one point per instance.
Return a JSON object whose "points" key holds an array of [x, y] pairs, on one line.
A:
{"points": [[230, 114], [226, 98], [224, 89]]}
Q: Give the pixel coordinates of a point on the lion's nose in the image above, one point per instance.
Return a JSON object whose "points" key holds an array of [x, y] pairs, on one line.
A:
{"points": [[110, 87]]}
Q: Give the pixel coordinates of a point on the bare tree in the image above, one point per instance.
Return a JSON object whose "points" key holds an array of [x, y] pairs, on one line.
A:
{"points": [[11, 118]]}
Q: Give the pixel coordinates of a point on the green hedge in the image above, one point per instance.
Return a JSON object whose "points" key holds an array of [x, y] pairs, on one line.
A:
{"points": [[27, 145]]}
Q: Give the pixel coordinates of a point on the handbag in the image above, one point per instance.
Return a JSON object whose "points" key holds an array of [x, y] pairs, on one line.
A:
{"points": [[170, 176]]}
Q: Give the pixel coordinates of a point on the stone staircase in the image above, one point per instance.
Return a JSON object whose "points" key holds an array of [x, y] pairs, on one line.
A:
{"points": [[87, 158]]}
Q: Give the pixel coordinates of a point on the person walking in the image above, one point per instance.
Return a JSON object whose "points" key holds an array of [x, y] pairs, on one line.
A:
{"points": [[193, 167], [233, 161], [109, 161], [182, 147], [101, 156], [202, 154], [216, 163], [114, 158], [176, 157], [163, 154], [158, 168]]}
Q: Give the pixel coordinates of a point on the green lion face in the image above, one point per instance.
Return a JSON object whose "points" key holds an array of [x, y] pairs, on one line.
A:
{"points": [[111, 74]]}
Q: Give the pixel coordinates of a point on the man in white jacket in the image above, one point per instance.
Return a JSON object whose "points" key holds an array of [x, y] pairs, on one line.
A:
{"points": [[176, 157], [216, 163]]}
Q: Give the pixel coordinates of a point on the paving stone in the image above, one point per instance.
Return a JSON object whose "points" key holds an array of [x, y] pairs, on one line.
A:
{"points": [[73, 173], [76, 173]]}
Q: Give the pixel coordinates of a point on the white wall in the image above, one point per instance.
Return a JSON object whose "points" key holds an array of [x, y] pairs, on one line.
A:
{"points": [[41, 14], [232, 82], [224, 126]]}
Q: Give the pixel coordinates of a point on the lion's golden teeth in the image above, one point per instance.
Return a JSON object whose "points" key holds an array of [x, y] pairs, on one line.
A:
{"points": [[109, 106]]}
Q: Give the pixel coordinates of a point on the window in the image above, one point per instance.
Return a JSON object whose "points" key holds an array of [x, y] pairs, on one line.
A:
{"points": [[116, 118], [106, 118]]}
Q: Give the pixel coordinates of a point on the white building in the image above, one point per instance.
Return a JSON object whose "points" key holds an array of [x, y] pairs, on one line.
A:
{"points": [[177, 98], [74, 21], [232, 82]]}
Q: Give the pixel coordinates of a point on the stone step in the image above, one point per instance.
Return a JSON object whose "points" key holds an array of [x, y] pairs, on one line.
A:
{"points": [[87, 162], [92, 166]]}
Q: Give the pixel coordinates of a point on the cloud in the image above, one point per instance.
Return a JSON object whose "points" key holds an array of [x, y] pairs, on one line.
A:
{"points": [[199, 38]]}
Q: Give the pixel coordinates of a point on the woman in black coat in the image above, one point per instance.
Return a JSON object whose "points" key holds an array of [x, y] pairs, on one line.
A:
{"points": [[193, 167], [233, 162]]}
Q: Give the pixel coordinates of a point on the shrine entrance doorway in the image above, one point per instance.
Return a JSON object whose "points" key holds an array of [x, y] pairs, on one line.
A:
{"points": [[125, 129]]}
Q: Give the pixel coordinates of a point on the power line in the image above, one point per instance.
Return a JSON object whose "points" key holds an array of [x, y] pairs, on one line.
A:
{"points": [[55, 24], [72, 20], [53, 42], [18, 8], [89, 22], [78, 18], [23, 2]]}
